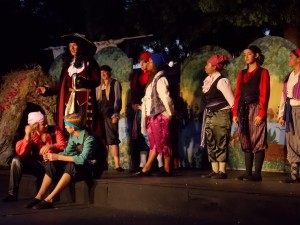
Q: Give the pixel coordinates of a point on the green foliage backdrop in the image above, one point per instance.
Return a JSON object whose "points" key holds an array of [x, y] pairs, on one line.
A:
{"points": [[276, 51]]}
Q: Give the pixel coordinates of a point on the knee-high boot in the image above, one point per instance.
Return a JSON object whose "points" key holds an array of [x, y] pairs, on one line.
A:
{"points": [[259, 160], [249, 162]]}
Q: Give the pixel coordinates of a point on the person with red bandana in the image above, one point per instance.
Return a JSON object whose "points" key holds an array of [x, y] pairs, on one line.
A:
{"points": [[140, 141], [157, 111], [216, 127]]}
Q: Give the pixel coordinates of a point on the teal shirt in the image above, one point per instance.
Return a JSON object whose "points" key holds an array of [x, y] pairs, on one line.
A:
{"points": [[89, 147]]}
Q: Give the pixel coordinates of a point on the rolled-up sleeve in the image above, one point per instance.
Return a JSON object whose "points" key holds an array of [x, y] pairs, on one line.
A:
{"points": [[23, 147], [225, 87]]}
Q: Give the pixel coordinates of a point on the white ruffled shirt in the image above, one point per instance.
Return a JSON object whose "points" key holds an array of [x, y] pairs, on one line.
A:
{"points": [[72, 69], [292, 81]]}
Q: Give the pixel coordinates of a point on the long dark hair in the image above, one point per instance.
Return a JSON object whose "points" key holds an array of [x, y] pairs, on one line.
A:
{"points": [[256, 50], [68, 57]]}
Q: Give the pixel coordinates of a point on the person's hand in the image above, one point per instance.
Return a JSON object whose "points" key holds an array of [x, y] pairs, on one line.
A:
{"points": [[235, 119], [40, 90], [281, 121], [257, 121], [115, 119], [50, 157], [136, 107], [45, 149], [81, 82], [28, 132]]}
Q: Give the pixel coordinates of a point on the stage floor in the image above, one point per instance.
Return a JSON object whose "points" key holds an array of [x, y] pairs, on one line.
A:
{"points": [[185, 198]]}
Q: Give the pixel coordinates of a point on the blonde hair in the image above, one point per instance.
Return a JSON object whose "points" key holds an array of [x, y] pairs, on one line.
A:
{"points": [[75, 119], [107, 88]]}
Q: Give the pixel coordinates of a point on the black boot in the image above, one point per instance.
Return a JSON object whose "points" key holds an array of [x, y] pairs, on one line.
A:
{"points": [[248, 163], [259, 160]]}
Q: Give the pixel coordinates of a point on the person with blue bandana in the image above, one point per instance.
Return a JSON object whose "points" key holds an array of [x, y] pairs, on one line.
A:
{"points": [[77, 162]]}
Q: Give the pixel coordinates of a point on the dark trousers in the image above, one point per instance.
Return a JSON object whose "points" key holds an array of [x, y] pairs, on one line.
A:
{"points": [[55, 170], [24, 164]]}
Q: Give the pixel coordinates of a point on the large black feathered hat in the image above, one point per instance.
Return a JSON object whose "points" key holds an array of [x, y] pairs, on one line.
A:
{"points": [[79, 38]]}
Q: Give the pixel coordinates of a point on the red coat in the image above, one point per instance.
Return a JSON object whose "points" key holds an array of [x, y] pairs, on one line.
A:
{"points": [[92, 74], [138, 86]]}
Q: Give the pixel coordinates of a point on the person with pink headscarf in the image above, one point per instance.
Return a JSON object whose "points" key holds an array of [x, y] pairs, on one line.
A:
{"points": [[39, 139], [288, 115], [80, 160], [218, 99]]}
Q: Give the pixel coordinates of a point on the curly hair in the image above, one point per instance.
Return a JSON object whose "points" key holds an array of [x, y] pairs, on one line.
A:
{"points": [[80, 56]]}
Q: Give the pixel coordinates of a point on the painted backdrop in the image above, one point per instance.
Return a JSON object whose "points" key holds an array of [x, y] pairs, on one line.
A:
{"points": [[276, 51], [18, 89]]}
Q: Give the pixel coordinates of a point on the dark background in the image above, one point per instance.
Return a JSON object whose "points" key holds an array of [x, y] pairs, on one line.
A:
{"points": [[30, 26]]}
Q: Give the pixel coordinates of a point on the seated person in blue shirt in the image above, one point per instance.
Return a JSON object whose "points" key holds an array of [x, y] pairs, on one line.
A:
{"points": [[74, 163]]}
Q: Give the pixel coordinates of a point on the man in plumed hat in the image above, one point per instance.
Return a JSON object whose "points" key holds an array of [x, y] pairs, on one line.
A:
{"points": [[79, 78]]}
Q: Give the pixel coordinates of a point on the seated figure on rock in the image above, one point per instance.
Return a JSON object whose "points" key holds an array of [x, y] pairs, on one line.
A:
{"points": [[79, 161], [39, 139]]}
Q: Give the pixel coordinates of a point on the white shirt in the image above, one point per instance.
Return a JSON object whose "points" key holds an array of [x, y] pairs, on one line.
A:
{"points": [[292, 81], [223, 85], [163, 93], [72, 69]]}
